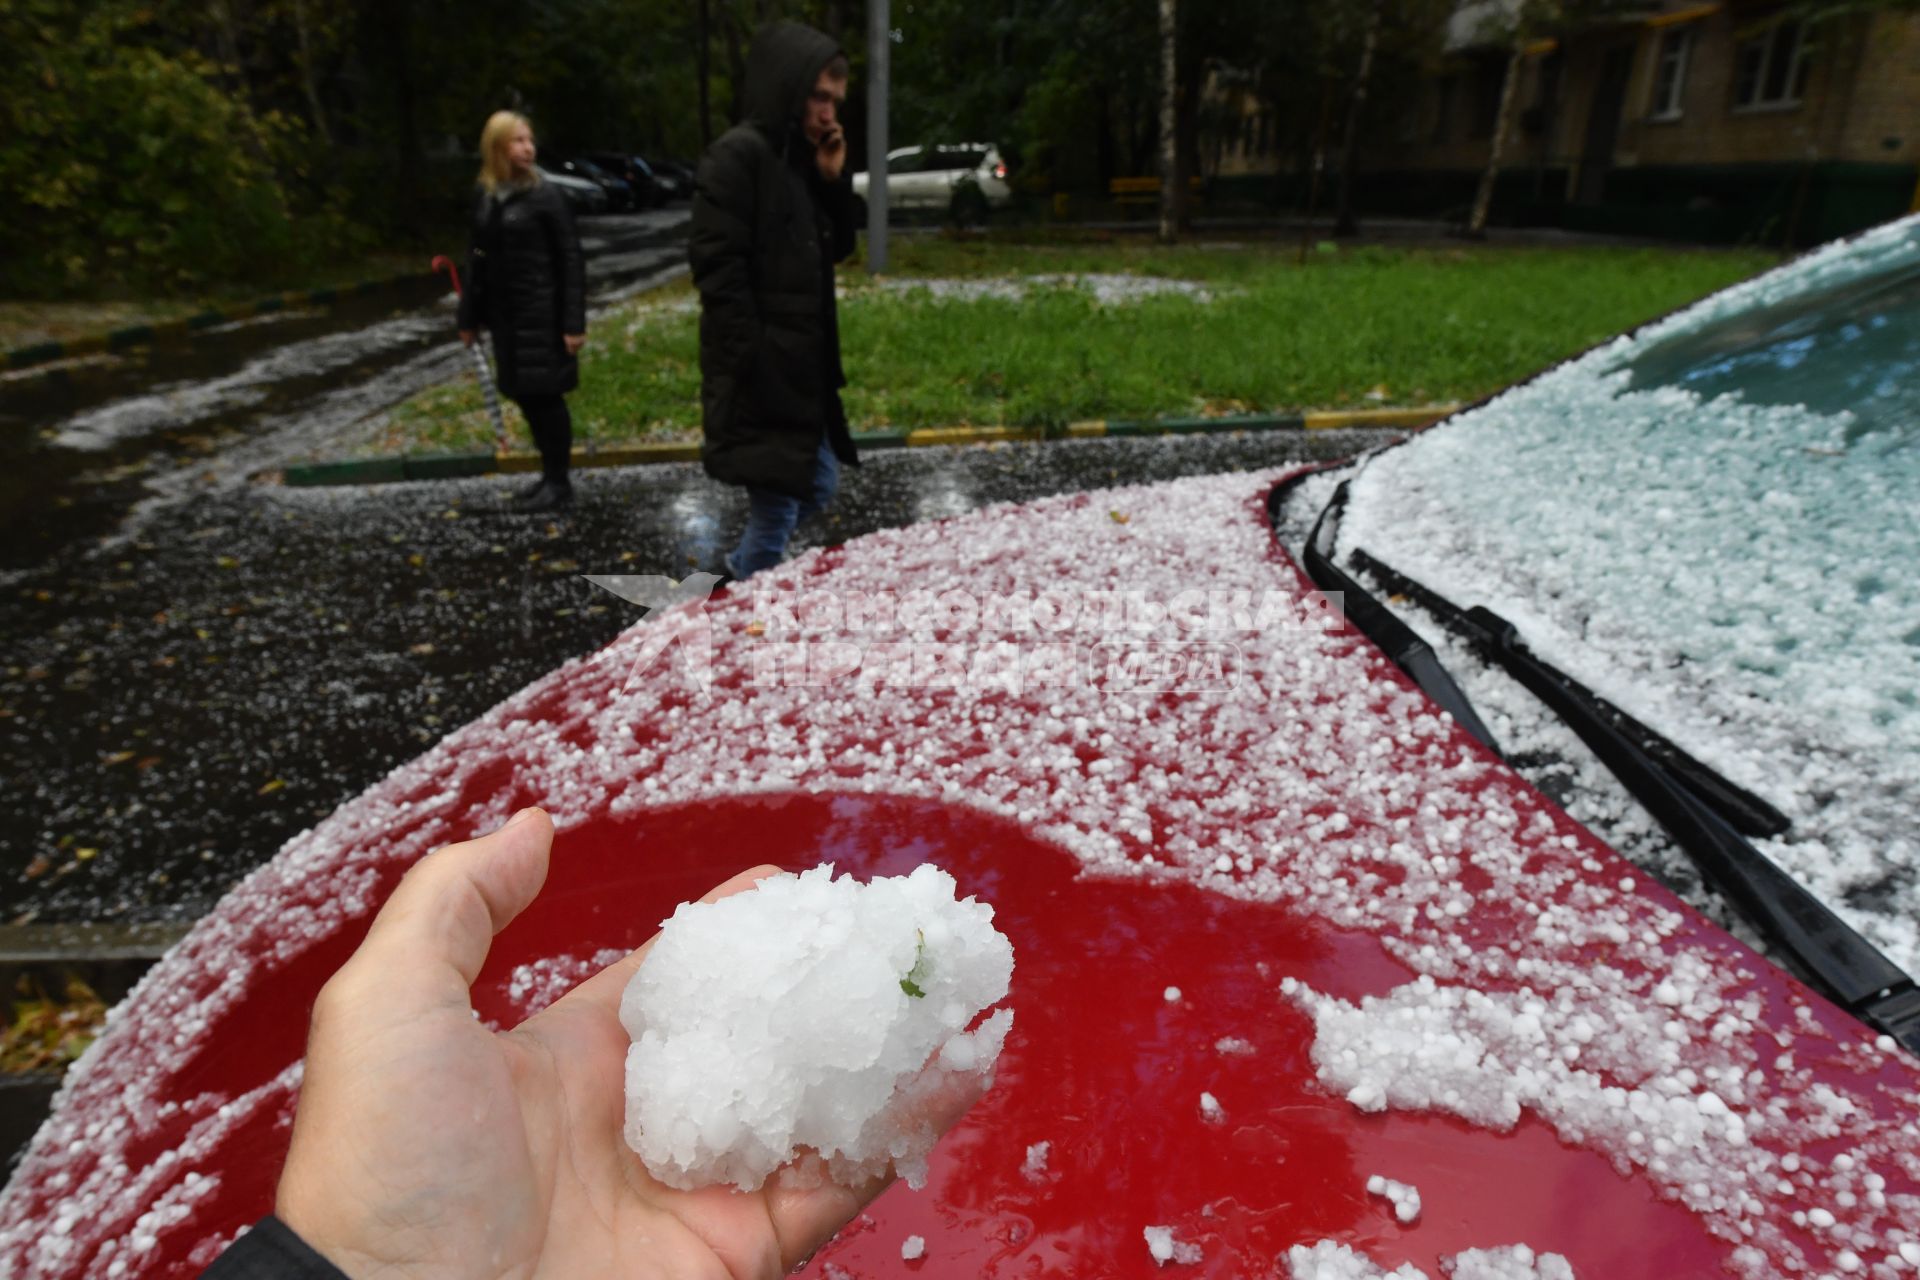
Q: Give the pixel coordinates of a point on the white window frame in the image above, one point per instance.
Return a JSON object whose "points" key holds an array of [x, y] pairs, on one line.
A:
{"points": [[1675, 49], [1770, 52]]}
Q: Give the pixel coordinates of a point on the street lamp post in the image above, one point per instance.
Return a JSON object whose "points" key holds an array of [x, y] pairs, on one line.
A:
{"points": [[879, 54]]}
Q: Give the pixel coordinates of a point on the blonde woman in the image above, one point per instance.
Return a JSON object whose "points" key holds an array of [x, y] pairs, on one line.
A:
{"points": [[527, 287]]}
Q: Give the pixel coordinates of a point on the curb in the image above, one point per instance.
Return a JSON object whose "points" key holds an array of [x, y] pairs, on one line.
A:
{"points": [[140, 335], [444, 466]]}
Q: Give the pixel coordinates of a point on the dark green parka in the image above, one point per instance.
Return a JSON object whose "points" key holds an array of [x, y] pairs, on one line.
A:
{"points": [[766, 233]]}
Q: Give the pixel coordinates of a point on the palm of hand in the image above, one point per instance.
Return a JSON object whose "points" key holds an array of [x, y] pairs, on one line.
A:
{"points": [[428, 1145]]}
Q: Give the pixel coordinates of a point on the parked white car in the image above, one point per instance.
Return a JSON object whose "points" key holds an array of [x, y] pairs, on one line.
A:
{"points": [[964, 180]]}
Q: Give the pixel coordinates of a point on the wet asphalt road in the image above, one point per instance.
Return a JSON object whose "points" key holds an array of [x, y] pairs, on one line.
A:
{"points": [[91, 448], [200, 665], [182, 706]]}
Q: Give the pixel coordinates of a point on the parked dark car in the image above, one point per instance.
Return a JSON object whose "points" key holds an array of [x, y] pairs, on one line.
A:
{"points": [[675, 178], [620, 196], [637, 174], [584, 196]]}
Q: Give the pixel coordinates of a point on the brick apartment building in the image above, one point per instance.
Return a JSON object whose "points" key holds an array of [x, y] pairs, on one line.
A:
{"points": [[1704, 121], [1713, 121]]}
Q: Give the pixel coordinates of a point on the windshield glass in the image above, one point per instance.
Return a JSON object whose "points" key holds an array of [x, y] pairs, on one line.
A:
{"points": [[1714, 523], [1850, 348]]}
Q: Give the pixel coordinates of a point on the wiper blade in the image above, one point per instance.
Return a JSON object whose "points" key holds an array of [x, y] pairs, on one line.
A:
{"points": [[1836, 958], [1748, 813], [1400, 642]]}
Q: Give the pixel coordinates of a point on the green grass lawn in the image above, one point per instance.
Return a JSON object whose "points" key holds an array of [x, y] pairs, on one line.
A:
{"points": [[1349, 327]]}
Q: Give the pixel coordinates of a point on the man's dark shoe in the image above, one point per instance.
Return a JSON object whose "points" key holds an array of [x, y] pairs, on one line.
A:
{"points": [[526, 491], [546, 497]]}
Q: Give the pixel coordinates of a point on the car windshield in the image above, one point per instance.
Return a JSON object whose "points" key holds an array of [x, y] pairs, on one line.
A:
{"points": [[1849, 348], [1713, 523]]}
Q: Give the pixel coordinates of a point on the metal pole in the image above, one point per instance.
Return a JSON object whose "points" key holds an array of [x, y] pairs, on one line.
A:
{"points": [[879, 55]]}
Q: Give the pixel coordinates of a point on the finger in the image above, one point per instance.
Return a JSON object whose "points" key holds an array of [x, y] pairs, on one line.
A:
{"points": [[428, 942], [602, 991]]}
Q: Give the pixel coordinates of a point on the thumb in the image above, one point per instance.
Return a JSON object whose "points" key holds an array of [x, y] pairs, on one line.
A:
{"points": [[428, 942]]}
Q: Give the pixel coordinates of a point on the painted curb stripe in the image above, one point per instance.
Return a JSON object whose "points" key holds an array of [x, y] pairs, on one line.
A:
{"points": [[1415, 417], [456, 465]]}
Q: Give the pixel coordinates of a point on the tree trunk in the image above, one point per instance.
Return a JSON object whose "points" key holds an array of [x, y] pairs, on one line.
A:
{"points": [[1169, 111], [303, 34], [1317, 164], [1502, 122], [736, 64], [703, 70], [1345, 224]]}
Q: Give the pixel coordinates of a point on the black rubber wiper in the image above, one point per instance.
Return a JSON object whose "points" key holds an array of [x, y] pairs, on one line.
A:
{"points": [[1399, 641], [1826, 949], [1746, 812]]}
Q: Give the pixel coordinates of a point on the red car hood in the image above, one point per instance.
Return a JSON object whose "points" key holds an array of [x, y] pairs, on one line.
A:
{"points": [[1393, 956]]}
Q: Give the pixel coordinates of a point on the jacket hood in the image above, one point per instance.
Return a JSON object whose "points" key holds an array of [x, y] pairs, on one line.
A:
{"points": [[782, 66]]}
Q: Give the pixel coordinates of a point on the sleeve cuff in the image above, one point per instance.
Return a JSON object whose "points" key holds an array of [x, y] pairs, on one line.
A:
{"points": [[271, 1251]]}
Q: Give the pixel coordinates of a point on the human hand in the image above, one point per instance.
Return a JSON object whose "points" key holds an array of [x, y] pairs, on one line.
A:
{"points": [[574, 342], [426, 1144], [830, 154], [467, 336]]}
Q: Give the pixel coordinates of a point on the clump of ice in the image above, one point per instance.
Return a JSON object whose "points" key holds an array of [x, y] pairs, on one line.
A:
{"points": [[1332, 1260], [1034, 1168], [1509, 1262], [1171, 995], [1165, 1249], [810, 1015], [912, 1247], [1210, 1109], [1405, 1199]]}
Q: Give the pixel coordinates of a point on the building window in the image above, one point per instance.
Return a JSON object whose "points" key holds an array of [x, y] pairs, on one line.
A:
{"points": [[1770, 70], [1670, 73]]}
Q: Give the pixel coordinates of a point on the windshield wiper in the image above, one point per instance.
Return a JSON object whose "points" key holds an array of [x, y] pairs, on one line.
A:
{"points": [[1821, 945], [1400, 642], [1745, 811]]}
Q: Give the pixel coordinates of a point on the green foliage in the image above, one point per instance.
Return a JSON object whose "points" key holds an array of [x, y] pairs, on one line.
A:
{"points": [[129, 163]]}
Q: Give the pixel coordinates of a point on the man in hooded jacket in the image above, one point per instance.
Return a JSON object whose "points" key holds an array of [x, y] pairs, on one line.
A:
{"points": [[772, 213]]}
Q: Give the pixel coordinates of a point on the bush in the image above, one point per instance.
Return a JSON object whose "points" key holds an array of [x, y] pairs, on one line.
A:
{"points": [[127, 165]]}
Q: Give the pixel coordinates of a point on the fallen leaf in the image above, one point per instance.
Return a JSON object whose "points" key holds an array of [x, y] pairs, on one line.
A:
{"points": [[40, 865], [424, 648], [271, 787], [416, 559], [86, 853], [1119, 517], [118, 757], [756, 628], [227, 562]]}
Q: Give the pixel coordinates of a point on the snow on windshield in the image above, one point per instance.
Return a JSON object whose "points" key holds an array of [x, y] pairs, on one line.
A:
{"points": [[1714, 523]]}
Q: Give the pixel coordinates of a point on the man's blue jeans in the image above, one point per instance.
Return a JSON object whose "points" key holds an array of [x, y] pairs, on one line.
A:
{"points": [[771, 517]]}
